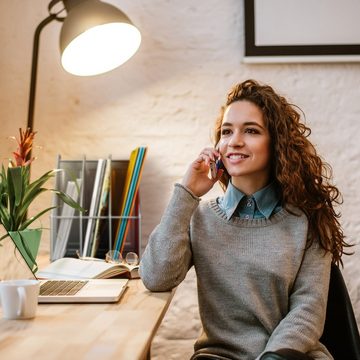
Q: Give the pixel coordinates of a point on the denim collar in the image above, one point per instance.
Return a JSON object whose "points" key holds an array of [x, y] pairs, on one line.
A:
{"points": [[265, 199]]}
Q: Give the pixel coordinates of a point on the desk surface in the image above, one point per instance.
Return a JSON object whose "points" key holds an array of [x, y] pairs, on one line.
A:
{"points": [[123, 330]]}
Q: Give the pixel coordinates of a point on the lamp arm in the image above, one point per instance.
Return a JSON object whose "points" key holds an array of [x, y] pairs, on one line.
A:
{"points": [[34, 64]]}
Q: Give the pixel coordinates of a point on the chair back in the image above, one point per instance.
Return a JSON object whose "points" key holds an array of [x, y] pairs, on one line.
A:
{"points": [[341, 334]]}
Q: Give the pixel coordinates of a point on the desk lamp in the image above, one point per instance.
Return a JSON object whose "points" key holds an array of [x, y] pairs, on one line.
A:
{"points": [[96, 37]]}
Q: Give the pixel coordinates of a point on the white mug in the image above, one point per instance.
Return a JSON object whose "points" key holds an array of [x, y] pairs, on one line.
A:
{"points": [[19, 298]]}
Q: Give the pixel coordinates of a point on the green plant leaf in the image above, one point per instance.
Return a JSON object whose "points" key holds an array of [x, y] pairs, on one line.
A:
{"points": [[4, 236], [2, 179], [68, 200], [17, 194], [38, 183], [26, 223], [10, 192], [27, 202], [4, 215], [16, 182]]}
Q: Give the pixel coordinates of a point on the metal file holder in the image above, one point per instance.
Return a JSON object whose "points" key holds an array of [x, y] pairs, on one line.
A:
{"points": [[85, 170]]}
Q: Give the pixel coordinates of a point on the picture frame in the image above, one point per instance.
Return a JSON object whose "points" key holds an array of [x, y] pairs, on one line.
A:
{"points": [[328, 42]]}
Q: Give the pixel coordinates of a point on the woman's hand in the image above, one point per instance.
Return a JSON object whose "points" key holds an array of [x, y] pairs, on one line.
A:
{"points": [[196, 178]]}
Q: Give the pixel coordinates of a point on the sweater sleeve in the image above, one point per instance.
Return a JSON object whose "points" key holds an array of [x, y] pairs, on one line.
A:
{"points": [[167, 256], [303, 325]]}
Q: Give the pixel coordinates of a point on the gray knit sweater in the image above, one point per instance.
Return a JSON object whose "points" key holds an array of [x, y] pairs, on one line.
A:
{"points": [[258, 288]]}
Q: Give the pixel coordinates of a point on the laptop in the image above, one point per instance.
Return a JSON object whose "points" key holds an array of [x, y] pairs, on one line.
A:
{"points": [[13, 266]]}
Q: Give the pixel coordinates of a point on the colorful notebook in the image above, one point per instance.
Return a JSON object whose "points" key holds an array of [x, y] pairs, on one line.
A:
{"points": [[131, 187]]}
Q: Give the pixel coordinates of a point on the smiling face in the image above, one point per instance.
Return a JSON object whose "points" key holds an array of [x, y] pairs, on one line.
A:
{"points": [[245, 146]]}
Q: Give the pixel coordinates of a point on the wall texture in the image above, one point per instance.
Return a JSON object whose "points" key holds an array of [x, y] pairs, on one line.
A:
{"points": [[167, 98]]}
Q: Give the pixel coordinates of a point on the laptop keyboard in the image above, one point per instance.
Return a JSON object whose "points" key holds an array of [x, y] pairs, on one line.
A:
{"points": [[61, 287]]}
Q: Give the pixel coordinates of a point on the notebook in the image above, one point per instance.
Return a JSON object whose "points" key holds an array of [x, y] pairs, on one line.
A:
{"points": [[13, 266]]}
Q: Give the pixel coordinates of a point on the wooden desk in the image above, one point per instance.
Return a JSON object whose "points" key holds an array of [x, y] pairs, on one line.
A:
{"points": [[121, 331]]}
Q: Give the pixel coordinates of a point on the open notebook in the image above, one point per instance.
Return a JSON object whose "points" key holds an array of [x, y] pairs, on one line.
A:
{"points": [[14, 266]]}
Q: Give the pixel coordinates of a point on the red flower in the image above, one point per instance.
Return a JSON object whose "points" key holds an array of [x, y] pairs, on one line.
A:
{"points": [[21, 156]]}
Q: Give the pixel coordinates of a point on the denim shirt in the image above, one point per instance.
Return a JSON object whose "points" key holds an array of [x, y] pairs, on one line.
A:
{"points": [[262, 204]]}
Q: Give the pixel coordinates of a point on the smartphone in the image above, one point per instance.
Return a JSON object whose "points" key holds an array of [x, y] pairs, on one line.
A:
{"points": [[215, 167]]}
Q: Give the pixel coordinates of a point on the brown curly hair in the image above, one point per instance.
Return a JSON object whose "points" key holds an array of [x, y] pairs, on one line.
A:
{"points": [[303, 178]]}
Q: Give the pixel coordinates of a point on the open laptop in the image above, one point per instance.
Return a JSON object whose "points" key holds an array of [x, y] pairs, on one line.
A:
{"points": [[13, 266]]}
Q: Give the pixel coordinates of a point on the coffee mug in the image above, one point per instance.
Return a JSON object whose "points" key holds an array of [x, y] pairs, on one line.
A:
{"points": [[19, 298]]}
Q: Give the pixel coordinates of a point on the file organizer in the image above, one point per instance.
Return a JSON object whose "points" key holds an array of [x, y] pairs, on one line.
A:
{"points": [[85, 170]]}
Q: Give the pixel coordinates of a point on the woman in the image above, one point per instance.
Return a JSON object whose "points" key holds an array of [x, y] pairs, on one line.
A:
{"points": [[262, 252]]}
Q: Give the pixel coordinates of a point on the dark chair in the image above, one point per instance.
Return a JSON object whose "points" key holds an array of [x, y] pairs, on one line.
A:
{"points": [[341, 334]]}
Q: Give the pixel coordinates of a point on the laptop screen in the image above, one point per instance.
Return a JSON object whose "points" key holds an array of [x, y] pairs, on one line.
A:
{"points": [[12, 264]]}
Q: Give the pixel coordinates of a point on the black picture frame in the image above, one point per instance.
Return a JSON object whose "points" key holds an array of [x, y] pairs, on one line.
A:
{"points": [[349, 52]]}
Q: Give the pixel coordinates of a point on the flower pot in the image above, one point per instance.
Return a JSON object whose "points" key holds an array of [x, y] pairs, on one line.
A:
{"points": [[27, 241]]}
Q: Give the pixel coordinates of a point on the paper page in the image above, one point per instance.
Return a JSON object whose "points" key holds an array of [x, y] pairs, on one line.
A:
{"points": [[72, 268]]}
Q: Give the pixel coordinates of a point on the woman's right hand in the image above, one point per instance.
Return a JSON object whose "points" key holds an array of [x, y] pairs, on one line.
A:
{"points": [[196, 178]]}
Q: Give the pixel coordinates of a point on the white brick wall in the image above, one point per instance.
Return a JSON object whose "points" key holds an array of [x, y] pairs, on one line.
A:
{"points": [[167, 98]]}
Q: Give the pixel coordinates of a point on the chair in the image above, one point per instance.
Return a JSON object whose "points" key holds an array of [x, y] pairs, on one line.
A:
{"points": [[341, 334]]}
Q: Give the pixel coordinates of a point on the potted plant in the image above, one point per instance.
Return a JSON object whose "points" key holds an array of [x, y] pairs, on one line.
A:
{"points": [[17, 193]]}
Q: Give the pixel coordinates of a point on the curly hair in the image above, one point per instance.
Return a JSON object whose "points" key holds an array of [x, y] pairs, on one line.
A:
{"points": [[303, 178]]}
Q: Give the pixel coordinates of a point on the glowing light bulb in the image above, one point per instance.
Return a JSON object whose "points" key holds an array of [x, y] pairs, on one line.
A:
{"points": [[101, 49]]}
